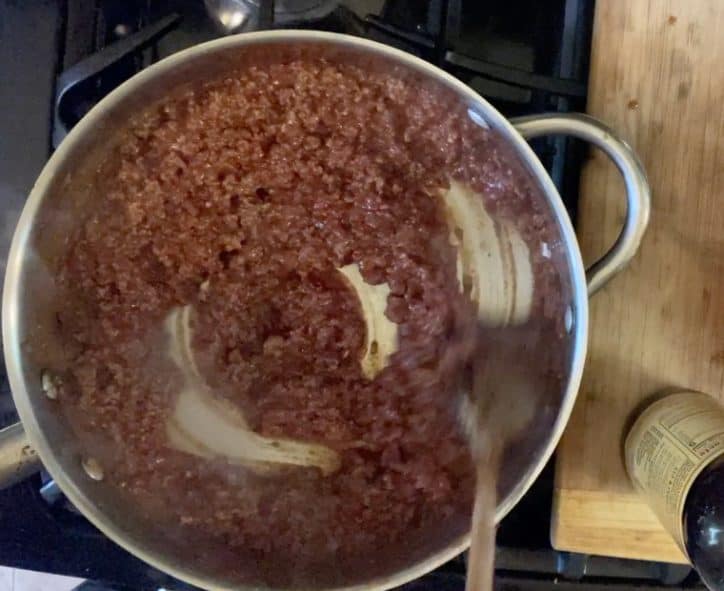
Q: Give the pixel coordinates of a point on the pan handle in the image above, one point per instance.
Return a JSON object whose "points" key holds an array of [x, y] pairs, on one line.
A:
{"points": [[18, 459], [638, 193]]}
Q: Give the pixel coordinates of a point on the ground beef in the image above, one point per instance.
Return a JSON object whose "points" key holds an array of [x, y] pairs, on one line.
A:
{"points": [[242, 196]]}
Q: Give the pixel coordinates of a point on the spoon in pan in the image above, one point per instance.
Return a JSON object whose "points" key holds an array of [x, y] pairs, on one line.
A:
{"points": [[505, 381], [495, 271]]}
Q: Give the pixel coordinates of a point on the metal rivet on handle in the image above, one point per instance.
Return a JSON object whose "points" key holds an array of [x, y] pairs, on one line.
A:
{"points": [[49, 384], [92, 468], [477, 118], [568, 318]]}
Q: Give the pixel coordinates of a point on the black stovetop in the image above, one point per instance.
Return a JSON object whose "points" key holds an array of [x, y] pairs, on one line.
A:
{"points": [[59, 57]]}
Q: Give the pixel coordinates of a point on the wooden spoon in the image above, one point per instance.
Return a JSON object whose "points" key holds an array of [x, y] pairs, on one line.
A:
{"points": [[495, 271], [508, 376]]}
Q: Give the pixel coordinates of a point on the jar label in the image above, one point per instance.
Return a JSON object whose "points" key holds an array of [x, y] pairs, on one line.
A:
{"points": [[672, 441]]}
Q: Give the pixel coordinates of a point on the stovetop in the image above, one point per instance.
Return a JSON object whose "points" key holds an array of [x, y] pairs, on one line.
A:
{"points": [[59, 57]]}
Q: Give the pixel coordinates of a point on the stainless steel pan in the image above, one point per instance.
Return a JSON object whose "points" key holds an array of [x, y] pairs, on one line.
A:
{"points": [[48, 217]]}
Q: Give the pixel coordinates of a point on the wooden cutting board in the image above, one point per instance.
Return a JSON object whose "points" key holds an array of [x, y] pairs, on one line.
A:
{"points": [[657, 77]]}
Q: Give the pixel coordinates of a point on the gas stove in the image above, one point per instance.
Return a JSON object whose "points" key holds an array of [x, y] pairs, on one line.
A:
{"points": [[60, 57]]}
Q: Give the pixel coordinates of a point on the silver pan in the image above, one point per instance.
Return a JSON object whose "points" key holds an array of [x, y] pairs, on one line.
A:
{"points": [[48, 217]]}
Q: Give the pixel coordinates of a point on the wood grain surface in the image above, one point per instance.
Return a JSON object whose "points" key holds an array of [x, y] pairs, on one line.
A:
{"points": [[657, 77]]}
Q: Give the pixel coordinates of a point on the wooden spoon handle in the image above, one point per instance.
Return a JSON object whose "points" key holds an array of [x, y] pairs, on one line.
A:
{"points": [[481, 556]]}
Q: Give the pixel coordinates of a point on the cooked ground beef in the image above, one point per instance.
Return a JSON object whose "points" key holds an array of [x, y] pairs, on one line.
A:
{"points": [[242, 196]]}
